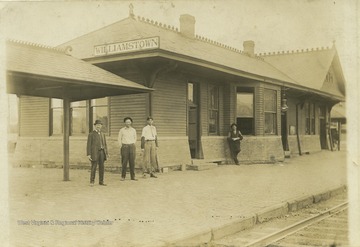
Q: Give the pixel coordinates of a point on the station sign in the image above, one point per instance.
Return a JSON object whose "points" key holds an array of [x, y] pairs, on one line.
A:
{"points": [[127, 46]]}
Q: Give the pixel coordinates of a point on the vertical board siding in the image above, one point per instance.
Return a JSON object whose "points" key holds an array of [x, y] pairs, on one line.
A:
{"points": [[228, 108], [221, 111], [169, 106], [259, 110], [278, 111], [34, 116], [204, 112], [133, 106]]}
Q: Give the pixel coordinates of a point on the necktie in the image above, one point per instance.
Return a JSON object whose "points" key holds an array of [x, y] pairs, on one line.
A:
{"points": [[101, 140]]}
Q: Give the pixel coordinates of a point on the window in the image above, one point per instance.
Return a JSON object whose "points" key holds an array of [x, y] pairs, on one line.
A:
{"points": [[78, 118], [190, 92], [329, 78], [245, 110], [270, 109], [310, 119], [56, 117], [321, 112], [99, 110], [214, 110]]}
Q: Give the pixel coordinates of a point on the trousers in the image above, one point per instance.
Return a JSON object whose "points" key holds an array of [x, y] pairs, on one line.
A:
{"points": [[94, 164], [128, 152], [149, 162]]}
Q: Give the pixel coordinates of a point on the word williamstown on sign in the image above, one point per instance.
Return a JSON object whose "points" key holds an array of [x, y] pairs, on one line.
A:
{"points": [[127, 46]]}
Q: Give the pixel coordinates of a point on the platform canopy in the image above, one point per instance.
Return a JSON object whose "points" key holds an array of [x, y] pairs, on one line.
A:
{"points": [[36, 70], [40, 71]]}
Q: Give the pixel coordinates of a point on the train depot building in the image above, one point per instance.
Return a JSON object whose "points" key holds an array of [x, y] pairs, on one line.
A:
{"points": [[196, 89]]}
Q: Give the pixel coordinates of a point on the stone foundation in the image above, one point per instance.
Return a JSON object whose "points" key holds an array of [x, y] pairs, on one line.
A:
{"points": [[309, 144], [254, 149], [172, 152], [48, 152]]}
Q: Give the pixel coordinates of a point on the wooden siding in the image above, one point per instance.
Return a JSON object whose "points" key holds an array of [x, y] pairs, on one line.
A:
{"points": [[222, 125], [259, 110], [134, 106], [229, 107], [278, 111], [204, 110], [169, 106], [34, 116]]}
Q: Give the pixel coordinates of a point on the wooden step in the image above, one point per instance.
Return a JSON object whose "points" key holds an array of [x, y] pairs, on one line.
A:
{"points": [[202, 166]]}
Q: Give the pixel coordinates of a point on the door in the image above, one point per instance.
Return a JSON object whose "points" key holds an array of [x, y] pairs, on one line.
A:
{"points": [[193, 131], [284, 132], [323, 141]]}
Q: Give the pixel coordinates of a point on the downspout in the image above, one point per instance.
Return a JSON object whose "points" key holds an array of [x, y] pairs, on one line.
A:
{"points": [[297, 128]]}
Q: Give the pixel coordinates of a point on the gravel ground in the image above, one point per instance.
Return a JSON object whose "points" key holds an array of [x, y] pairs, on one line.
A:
{"points": [[46, 211]]}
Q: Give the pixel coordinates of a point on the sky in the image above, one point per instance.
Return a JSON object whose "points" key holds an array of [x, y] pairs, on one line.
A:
{"points": [[274, 25]]}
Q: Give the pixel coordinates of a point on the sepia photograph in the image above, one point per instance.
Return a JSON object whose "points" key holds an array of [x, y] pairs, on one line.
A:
{"points": [[179, 123]]}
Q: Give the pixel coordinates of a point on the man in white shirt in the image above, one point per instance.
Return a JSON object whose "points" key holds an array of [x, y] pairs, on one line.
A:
{"points": [[127, 140], [149, 146]]}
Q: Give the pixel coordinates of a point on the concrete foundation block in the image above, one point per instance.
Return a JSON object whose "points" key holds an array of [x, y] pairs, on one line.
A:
{"points": [[304, 201], [193, 240], [292, 206], [337, 191], [202, 166], [321, 197], [233, 227], [272, 212]]}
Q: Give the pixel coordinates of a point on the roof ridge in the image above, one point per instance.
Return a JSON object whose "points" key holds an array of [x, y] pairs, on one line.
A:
{"points": [[226, 47], [307, 50], [197, 37], [65, 50], [157, 24]]}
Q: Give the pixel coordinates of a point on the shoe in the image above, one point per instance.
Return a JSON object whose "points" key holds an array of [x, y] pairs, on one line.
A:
{"points": [[103, 184], [153, 175], [134, 179], [122, 179], [92, 184]]}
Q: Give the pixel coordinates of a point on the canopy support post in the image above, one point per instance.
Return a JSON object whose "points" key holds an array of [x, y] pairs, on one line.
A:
{"points": [[66, 107]]}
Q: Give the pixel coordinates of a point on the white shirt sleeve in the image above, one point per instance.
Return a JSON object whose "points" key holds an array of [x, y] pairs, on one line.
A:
{"points": [[119, 138]]}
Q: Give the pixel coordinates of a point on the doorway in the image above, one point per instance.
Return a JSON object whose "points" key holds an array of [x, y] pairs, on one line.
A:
{"points": [[193, 133], [284, 132], [193, 120], [323, 141], [322, 127]]}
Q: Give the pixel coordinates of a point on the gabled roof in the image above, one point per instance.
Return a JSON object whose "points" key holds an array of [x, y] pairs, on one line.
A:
{"points": [[338, 111], [173, 41], [302, 70], [44, 71], [309, 68]]}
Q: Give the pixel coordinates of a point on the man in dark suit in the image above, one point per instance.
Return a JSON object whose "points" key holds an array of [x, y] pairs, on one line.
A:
{"points": [[97, 152]]}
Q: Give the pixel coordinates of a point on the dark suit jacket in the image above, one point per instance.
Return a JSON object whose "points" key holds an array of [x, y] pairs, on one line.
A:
{"points": [[94, 145]]}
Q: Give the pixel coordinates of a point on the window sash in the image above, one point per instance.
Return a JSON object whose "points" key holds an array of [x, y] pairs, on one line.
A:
{"points": [[270, 123], [78, 116], [270, 111], [310, 119], [245, 110], [213, 118]]}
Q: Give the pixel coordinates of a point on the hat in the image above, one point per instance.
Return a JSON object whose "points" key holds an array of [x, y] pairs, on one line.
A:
{"points": [[98, 122], [149, 117], [233, 124], [127, 119]]}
